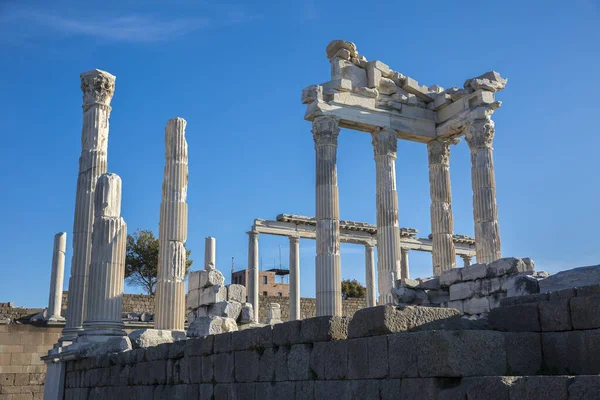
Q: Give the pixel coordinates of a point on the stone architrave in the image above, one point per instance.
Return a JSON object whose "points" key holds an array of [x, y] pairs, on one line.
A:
{"points": [[170, 288], [388, 232], [56, 278], [210, 252], [479, 135], [294, 278], [253, 273], [325, 132], [442, 222], [405, 272], [107, 270], [98, 88], [370, 274]]}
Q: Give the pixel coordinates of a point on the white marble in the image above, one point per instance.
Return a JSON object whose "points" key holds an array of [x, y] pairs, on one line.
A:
{"points": [[253, 272], [328, 264], [98, 88], [370, 275], [405, 267], [56, 278], [210, 253], [294, 278], [170, 287]]}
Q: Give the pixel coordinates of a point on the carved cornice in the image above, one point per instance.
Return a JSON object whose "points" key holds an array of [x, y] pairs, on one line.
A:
{"points": [[384, 142], [325, 131], [480, 134], [98, 87]]}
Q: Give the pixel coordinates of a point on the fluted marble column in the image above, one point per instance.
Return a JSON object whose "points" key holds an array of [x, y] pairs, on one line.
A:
{"points": [[442, 222], [405, 269], [328, 266], [107, 270], [466, 260], [479, 136], [253, 266], [210, 253], [370, 274], [98, 88], [388, 233], [172, 234], [56, 277], [294, 278]]}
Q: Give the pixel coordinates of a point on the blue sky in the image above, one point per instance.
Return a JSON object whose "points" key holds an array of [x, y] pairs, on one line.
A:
{"points": [[235, 72]]}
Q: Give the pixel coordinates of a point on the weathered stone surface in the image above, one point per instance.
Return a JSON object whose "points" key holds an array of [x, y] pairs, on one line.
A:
{"points": [[299, 362], [517, 318], [585, 312], [143, 338], [490, 81], [540, 387], [403, 355], [522, 285], [246, 314], [562, 294], [476, 305], [461, 290], [334, 46], [409, 283], [201, 346], [243, 340], [582, 276], [510, 265], [523, 353], [273, 314], [592, 290], [246, 363], [236, 293], [382, 320], [211, 295], [432, 283], [483, 388], [224, 367], [555, 316], [473, 272], [572, 352], [450, 276], [389, 389], [205, 326], [266, 366], [585, 387], [287, 333], [205, 278], [227, 309], [419, 388], [532, 298], [327, 390], [328, 360], [319, 329]]}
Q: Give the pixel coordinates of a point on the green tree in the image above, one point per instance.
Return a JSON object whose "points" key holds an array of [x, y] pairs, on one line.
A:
{"points": [[353, 289], [141, 260]]}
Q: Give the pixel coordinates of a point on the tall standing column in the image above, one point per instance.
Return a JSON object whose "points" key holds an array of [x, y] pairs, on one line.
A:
{"points": [[294, 278], [210, 253], [466, 260], [388, 233], [98, 88], [370, 274], [405, 269], [442, 222], [479, 136], [253, 272], [56, 277], [172, 234], [328, 266], [107, 270]]}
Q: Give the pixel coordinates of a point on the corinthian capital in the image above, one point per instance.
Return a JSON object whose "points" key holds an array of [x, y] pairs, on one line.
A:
{"points": [[439, 151], [480, 133], [325, 130], [97, 87], [384, 142]]}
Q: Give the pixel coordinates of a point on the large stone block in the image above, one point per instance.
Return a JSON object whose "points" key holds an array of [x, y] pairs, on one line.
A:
{"points": [[584, 388], [450, 276], [518, 318], [143, 338], [572, 352], [299, 362], [326, 328], [227, 309], [523, 353], [205, 326], [403, 355], [389, 389], [475, 271], [364, 389], [328, 360], [243, 340], [382, 320], [211, 295], [246, 366], [327, 390], [576, 277], [461, 290], [266, 365], [540, 387], [287, 333], [522, 285], [419, 388], [476, 305], [305, 390], [368, 358], [223, 367], [199, 347], [585, 312], [247, 314], [480, 388], [555, 316], [281, 364], [509, 266], [236, 293]]}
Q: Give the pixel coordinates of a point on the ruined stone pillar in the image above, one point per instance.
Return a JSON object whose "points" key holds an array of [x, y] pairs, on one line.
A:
{"points": [[466, 260], [107, 270], [370, 274], [253, 269], [98, 88], [294, 278], [388, 232], [328, 267], [479, 136], [405, 270], [56, 277], [172, 234], [210, 253], [442, 222]]}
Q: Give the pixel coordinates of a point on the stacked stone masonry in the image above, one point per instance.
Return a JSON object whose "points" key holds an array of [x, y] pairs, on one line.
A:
{"points": [[401, 353]]}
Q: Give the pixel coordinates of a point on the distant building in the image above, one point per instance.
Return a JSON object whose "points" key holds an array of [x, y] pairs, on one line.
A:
{"points": [[268, 285]]}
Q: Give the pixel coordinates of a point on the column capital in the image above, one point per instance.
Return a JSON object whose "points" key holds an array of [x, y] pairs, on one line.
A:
{"points": [[325, 130], [369, 245], [480, 134], [253, 234], [294, 239], [97, 86], [384, 142]]}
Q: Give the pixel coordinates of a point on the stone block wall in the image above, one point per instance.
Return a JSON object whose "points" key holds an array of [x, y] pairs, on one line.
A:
{"points": [[22, 373], [308, 307], [132, 303], [8, 310]]}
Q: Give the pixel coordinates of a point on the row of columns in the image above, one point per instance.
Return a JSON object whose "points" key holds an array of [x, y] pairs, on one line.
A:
{"points": [[479, 135]]}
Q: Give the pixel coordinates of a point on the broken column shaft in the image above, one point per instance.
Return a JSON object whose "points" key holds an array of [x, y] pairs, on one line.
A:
{"points": [[98, 88], [56, 277], [170, 288], [294, 278], [210, 251]]}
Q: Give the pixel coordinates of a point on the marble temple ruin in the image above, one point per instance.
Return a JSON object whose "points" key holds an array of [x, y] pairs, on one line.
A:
{"points": [[463, 331]]}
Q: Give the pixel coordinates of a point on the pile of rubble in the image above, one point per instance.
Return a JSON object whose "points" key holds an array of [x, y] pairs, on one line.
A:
{"points": [[214, 307]]}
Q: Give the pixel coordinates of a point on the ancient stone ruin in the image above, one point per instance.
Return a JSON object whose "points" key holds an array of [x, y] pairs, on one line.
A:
{"points": [[495, 329]]}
